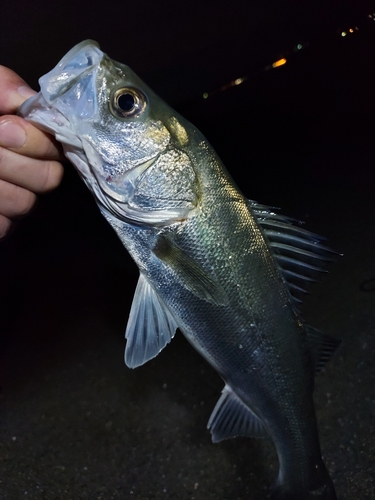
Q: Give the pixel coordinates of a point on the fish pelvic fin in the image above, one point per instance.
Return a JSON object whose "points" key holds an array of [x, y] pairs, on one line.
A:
{"points": [[232, 418], [150, 326]]}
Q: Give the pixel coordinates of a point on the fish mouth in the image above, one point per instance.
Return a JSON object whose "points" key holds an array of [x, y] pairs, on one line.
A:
{"points": [[67, 94], [72, 68]]}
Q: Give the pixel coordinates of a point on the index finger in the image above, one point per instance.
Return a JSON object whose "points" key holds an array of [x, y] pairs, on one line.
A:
{"points": [[20, 136]]}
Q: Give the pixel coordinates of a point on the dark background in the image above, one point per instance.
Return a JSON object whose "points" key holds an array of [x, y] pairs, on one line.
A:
{"points": [[75, 423]]}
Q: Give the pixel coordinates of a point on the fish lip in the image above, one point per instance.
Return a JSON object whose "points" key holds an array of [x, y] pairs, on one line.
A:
{"points": [[33, 109], [77, 48]]}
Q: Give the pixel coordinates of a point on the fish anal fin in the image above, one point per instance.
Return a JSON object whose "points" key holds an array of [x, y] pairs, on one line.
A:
{"points": [[322, 347], [232, 418], [150, 326]]}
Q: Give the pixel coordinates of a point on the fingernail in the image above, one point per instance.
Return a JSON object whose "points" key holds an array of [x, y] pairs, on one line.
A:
{"points": [[12, 135], [26, 91]]}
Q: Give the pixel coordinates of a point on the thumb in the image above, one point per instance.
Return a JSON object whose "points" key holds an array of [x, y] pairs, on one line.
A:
{"points": [[13, 91]]}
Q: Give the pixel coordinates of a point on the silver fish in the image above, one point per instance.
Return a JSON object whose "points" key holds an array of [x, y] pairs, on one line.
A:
{"points": [[224, 270]]}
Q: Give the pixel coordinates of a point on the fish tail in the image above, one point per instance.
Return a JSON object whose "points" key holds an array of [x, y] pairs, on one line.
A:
{"points": [[320, 487]]}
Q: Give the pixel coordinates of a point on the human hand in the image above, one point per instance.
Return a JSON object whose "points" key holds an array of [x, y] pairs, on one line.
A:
{"points": [[29, 158]]}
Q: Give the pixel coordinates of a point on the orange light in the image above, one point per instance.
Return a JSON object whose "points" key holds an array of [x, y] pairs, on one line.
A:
{"points": [[238, 81], [278, 63], [351, 30]]}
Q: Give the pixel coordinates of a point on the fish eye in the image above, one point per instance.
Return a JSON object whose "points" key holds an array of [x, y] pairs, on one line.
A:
{"points": [[127, 102]]}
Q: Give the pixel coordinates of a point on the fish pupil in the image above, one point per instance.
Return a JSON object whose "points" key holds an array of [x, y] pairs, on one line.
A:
{"points": [[126, 102]]}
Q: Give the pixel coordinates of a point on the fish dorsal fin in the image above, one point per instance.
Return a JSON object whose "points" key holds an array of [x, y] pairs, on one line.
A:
{"points": [[150, 326], [299, 254], [232, 418], [322, 347], [300, 257], [191, 274]]}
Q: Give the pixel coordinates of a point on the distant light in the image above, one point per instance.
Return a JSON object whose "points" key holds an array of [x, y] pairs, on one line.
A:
{"points": [[278, 63], [343, 33], [299, 46], [351, 30], [356, 28], [205, 95], [238, 81]]}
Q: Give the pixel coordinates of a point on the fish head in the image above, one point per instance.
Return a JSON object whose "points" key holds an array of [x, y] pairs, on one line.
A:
{"points": [[114, 129]]}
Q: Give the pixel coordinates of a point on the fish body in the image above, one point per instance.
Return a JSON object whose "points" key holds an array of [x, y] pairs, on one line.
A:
{"points": [[221, 268]]}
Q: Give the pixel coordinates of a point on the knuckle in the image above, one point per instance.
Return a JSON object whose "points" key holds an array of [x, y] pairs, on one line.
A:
{"points": [[3, 156], [53, 173], [26, 203], [39, 144], [5, 225]]}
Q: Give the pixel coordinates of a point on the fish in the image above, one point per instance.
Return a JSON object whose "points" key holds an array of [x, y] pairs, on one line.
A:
{"points": [[226, 271]]}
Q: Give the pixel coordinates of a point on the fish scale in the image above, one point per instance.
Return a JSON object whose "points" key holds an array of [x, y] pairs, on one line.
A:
{"points": [[226, 271]]}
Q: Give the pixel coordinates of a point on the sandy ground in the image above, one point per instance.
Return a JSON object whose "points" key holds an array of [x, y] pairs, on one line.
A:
{"points": [[75, 423]]}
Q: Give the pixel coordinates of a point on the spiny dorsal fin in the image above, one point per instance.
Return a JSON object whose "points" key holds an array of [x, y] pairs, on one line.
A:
{"points": [[322, 347], [150, 326], [232, 418], [300, 254]]}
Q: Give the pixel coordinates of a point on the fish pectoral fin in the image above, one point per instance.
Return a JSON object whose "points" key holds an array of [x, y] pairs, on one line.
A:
{"points": [[150, 326], [322, 347], [232, 418], [191, 274]]}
